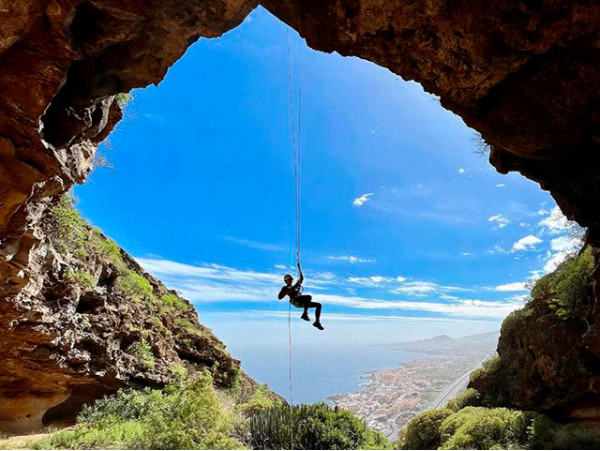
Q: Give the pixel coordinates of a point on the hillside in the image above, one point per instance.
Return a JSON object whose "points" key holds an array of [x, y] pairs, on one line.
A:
{"points": [[93, 322], [473, 345]]}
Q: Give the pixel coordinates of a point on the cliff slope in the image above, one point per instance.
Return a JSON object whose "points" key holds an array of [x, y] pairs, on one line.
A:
{"points": [[92, 322]]}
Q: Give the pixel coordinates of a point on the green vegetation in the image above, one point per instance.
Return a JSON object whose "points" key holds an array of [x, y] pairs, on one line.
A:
{"points": [[493, 428], [123, 98], [568, 283], [143, 351], [77, 242], [135, 285], [423, 431], [489, 366], [172, 302], [82, 278], [515, 318], [481, 428], [250, 402], [469, 397], [190, 414], [313, 426], [546, 434], [187, 414]]}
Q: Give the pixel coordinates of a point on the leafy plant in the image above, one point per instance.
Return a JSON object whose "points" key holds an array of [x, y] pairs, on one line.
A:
{"points": [[481, 428], [143, 351], [423, 430], [82, 278], [314, 426], [569, 282], [469, 397], [187, 414]]}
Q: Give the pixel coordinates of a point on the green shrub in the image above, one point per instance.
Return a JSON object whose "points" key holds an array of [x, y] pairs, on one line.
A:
{"points": [[423, 430], [256, 401], [514, 319], [469, 397], [174, 302], [186, 415], [547, 434], [143, 351], [314, 426], [123, 98], [82, 278], [569, 282], [106, 247], [134, 285], [489, 366], [481, 428]]}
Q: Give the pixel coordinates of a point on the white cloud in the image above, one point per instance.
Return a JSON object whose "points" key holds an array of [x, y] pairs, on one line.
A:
{"points": [[499, 221], [400, 279], [218, 283], [360, 201], [497, 249], [421, 288], [526, 243], [466, 254], [350, 259], [500, 185], [515, 286], [255, 244], [555, 222], [461, 171], [372, 281], [213, 283], [561, 247], [461, 308]]}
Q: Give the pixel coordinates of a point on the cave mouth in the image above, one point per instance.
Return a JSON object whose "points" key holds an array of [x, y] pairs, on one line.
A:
{"points": [[402, 217]]}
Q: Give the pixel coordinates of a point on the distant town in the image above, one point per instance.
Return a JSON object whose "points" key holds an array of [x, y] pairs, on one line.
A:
{"points": [[390, 398]]}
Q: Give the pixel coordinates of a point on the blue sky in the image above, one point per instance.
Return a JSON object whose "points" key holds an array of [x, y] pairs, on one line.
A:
{"points": [[402, 221]]}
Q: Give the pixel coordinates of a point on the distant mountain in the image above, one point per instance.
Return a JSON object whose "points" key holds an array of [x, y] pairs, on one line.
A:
{"points": [[479, 344]]}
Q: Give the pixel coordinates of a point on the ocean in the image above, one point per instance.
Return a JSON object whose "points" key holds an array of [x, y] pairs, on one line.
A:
{"points": [[317, 372], [329, 362]]}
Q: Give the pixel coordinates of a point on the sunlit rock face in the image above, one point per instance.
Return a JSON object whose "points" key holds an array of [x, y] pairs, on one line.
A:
{"points": [[525, 74]]}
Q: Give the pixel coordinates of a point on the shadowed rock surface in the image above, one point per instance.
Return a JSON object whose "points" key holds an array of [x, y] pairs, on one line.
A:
{"points": [[524, 74]]}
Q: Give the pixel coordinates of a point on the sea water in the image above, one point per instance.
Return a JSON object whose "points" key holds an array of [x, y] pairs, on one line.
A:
{"points": [[317, 372]]}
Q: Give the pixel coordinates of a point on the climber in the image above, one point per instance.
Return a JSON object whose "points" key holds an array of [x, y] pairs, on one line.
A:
{"points": [[300, 300]]}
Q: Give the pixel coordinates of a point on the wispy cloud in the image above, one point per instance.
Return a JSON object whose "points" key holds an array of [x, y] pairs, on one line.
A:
{"points": [[360, 201], [526, 243], [499, 221], [375, 281], [555, 222], [515, 286], [560, 249], [461, 308], [422, 288], [350, 259], [218, 283], [500, 185], [255, 244]]}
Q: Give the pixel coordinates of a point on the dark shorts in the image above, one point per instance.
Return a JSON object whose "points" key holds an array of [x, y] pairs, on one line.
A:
{"points": [[301, 301]]}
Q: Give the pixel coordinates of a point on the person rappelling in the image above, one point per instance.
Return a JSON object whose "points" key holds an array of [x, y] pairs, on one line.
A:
{"points": [[299, 300]]}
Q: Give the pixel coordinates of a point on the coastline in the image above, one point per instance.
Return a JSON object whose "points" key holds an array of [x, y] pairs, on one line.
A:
{"points": [[388, 399]]}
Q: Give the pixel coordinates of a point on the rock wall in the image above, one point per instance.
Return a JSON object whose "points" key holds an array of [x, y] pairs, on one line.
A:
{"points": [[549, 352], [89, 322]]}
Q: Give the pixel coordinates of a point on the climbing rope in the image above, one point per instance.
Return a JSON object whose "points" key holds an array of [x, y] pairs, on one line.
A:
{"points": [[295, 121]]}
